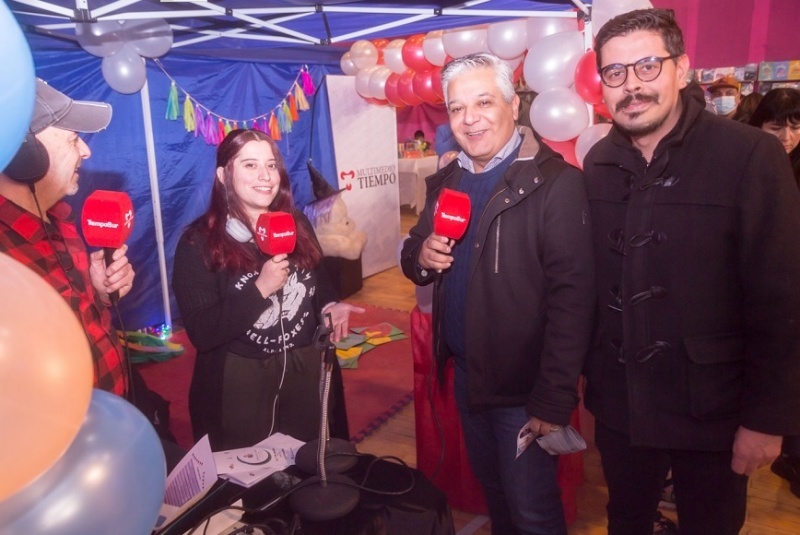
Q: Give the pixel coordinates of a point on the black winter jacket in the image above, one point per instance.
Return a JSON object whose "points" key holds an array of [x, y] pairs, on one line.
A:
{"points": [[530, 292], [698, 266]]}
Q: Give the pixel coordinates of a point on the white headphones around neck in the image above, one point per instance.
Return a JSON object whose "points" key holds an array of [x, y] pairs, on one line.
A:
{"points": [[238, 230]]}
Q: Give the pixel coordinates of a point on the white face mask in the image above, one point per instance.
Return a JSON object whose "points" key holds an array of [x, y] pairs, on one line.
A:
{"points": [[725, 104]]}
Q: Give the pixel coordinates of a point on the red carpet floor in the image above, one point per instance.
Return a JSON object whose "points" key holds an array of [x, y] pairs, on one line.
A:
{"points": [[380, 386]]}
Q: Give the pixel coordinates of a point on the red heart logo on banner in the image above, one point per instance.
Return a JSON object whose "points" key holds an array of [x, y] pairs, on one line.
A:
{"points": [[347, 175]]}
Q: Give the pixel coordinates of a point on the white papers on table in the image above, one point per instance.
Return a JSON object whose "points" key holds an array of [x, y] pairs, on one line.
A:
{"points": [[189, 481], [248, 466]]}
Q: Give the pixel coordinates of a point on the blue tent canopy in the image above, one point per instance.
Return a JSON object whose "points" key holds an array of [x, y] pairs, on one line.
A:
{"points": [[239, 60]]}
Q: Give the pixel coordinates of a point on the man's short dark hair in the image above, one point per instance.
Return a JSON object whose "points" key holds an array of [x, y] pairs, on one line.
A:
{"points": [[661, 21]]}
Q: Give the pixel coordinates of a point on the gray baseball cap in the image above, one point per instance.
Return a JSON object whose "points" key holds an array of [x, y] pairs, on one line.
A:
{"points": [[54, 108]]}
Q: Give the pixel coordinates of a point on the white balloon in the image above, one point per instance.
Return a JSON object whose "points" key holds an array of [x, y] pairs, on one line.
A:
{"points": [[347, 65], [102, 38], [588, 138], [151, 38], [559, 114], [377, 81], [433, 48], [362, 81], [125, 71], [393, 56], [538, 27], [462, 42], [605, 10], [552, 61], [507, 39], [364, 54]]}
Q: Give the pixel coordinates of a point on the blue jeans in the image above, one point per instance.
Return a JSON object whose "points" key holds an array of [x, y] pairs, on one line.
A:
{"points": [[522, 494]]}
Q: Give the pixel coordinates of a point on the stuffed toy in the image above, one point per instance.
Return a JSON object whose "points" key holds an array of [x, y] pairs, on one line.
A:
{"points": [[335, 230]]}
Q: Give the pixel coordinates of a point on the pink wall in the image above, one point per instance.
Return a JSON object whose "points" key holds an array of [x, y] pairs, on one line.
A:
{"points": [[722, 33]]}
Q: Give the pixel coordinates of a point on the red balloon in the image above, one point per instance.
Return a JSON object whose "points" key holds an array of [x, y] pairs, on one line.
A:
{"points": [[518, 72], [413, 55], [602, 109], [423, 87], [380, 44], [565, 149], [587, 79], [436, 83], [391, 90], [405, 88]]}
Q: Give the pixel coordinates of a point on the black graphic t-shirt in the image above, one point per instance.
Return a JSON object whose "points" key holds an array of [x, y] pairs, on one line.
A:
{"points": [[291, 322]]}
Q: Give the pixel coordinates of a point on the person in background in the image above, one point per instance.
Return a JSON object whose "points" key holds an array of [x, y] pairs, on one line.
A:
{"points": [[746, 107], [253, 318], [726, 95], [37, 227], [778, 113], [513, 299], [444, 140], [419, 139], [696, 221]]}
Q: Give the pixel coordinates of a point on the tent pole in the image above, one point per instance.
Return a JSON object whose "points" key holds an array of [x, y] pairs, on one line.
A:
{"points": [[154, 194]]}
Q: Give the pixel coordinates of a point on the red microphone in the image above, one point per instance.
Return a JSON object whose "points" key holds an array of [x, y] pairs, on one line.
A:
{"points": [[451, 214], [276, 233], [107, 221]]}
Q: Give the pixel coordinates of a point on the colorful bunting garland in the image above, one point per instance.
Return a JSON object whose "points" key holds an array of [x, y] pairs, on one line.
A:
{"points": [[213, 127]]}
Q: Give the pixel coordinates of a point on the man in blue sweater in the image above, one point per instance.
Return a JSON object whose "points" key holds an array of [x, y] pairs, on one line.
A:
{"points": [[513, 299]]}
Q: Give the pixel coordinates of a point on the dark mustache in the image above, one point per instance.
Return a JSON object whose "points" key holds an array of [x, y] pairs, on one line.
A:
{"points": [[630, 99]]}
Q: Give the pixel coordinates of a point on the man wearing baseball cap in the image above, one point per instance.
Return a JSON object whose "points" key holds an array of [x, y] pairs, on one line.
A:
{"points": [[36, 227], [726, 95]]}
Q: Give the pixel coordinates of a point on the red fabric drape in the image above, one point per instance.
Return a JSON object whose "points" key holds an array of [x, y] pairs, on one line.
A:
{"points": [[433, 402]]}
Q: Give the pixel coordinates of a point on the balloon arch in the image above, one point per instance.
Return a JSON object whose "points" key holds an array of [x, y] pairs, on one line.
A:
{"points": [[553, 56]]}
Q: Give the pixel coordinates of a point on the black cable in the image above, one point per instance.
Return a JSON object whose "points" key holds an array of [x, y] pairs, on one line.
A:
{"points": [[437, 423], [126, 355]]}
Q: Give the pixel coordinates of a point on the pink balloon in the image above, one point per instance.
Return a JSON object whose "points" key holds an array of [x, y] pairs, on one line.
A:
{"points": [[362, 81], [393, 56], [587, 79], [588, 138], [564, 148], [552, 60], [538, 27], [433, 48], [364, 54], [347, 65], [559, 114], [405, 89], [377, 81], [464, 41], [413, 55], [507, 39]]}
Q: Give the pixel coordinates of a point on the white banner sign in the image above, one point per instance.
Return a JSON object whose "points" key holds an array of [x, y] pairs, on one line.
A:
{"points": [[365, 145]]}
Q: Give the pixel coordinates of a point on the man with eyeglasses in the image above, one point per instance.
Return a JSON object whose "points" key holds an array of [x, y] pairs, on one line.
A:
{"points": [[696, 230]]}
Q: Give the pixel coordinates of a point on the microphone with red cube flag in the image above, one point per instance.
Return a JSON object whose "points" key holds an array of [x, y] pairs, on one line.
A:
{"points": [[451, 214], [276, 233], [107, 222]]}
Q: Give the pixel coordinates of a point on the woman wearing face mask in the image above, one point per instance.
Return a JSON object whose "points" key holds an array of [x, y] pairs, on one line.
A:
{"points": [[253, 317], [779, 114]]}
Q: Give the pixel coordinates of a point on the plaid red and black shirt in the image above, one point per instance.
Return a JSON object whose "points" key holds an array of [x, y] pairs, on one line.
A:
{"points": [[66, 269]]}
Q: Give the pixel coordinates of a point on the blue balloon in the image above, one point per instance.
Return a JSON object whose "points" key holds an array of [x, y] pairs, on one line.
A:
{"points": [[110, 480], [18, 89]]}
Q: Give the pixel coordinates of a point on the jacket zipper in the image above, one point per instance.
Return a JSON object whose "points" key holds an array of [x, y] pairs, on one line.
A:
{"points": [[497, 246]]}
